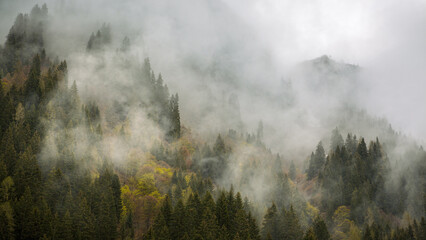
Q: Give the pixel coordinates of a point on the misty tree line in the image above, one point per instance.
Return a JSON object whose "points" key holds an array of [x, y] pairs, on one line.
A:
{"points": [[54, 198], [285, 224], [225, 218], [163, 107], [47, 199], [349, 189], [25, 38], [355, 175], [352, 178], [52, 188]]}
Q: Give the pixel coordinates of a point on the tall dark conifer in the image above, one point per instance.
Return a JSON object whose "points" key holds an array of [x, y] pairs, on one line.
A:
{"points": [[33, 83]]}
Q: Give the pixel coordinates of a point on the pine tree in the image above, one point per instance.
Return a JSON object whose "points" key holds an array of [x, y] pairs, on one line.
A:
{"points": [[311, 169], [10, 157], [320, 229], [231, 210], [85, 221], [219, 147], [33, 82], [178, 221], [319, 157], [240, 221], [208, 227], [6, 108], [116, 191], [174, 116], [46, 218], [27, 174], [270, 223], [106, 221], [75, 99], [56, 188], [64, 230], [362, 150], [351, 143], [222, 210], [7, 224], [26, 227], [336, 139], [3, 170], [208, 202], [128, 226], [253, 228], [289, 225], [316, 161], [216, 169], [160, 229], [292, 171], [166, 211]]}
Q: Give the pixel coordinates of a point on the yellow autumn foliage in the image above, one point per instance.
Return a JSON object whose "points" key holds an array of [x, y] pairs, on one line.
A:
{"points": [[146, 184], [311, 211]]}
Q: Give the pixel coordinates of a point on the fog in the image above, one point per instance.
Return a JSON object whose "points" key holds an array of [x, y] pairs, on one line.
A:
{"points": [[245, 55], [385, 37], [303, 68]]}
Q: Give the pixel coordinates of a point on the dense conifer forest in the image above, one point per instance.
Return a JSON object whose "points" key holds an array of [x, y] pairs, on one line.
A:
{"points": [[80, 164]]}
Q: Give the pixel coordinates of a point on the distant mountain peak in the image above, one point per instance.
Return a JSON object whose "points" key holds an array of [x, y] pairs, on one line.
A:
{"points": [[323, 59], [326, 63]]}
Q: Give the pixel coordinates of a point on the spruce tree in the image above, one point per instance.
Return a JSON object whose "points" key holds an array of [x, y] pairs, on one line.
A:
{"points": [[178, 225], [10, 157], [320, 229], [26, 227], [106, 222], [362, 150], [160, 229], [289, 225], [316, 161], [292, 171], [336, 139], [85, 221], [208, 227], [253, 228], [27, 174], [7, 224], [270, 223], [33, 82], [64, 230], [222, 210]]}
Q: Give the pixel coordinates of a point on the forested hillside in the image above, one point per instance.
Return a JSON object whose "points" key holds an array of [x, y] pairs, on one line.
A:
{"points": [[86, 156]]}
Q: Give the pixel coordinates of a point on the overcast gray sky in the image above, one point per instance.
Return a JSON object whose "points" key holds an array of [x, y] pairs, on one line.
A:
{"points": [[388, 37]]}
